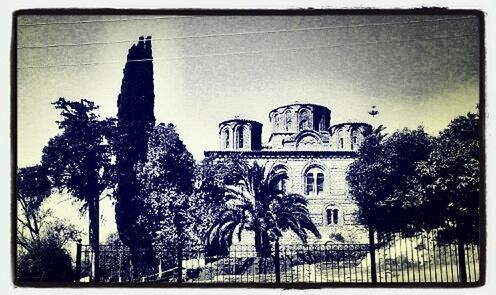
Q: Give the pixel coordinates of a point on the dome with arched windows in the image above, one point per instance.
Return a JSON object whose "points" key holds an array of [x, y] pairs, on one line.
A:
{"points": [[348, 136], [240, 134], [297, 117]]}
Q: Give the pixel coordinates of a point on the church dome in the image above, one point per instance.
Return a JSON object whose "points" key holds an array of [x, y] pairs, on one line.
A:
{"points": [[240, 134], [297, 117], [349, 136]]}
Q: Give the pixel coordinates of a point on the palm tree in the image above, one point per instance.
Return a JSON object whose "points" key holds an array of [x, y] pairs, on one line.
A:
{"points": [[256, 204]]}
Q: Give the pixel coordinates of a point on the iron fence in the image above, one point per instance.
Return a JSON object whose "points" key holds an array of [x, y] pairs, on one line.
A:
{"points": [[418, 259]]}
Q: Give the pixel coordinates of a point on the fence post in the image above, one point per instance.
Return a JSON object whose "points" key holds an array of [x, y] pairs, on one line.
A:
{"points": [[179, 263], [96, 264], [373, 270], [78, 261], [461, 261], [159, 268], [277, 262]]}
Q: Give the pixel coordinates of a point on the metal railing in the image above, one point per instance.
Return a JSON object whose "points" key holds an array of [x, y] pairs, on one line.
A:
{"points": [[417, 259]]}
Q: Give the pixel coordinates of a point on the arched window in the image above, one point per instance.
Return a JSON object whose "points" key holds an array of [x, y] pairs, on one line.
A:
{"points": [[225, 138], [322, 123], [332, 216], [303, 124], [279, 178], [304, 120], [314, 181], [277, 122], [320, 182], [288, 120], [341, 143], [280, 182], [239, 137], [309, 183], [353, 141]]}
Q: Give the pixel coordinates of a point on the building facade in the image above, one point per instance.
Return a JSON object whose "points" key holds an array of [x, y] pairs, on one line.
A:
{"points": [[309, 156]]}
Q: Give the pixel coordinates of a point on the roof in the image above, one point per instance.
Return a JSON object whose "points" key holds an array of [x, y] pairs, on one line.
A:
{"points": [[300, 103], [349, 123], [283, 154], [239, 120]]}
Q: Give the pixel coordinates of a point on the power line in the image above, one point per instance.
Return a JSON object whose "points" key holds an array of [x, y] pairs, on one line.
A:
{"points": [[253, 52], [102, 21], [244, 33], [84, 63], [357, 44]]}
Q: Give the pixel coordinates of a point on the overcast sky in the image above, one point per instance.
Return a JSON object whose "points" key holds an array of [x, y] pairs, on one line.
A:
{"points": [[418, 70]]}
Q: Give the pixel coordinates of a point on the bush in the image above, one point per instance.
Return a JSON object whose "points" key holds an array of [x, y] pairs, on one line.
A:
{"points": [[46, 261]]}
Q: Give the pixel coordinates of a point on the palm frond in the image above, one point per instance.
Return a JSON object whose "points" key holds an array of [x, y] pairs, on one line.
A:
{"points": [[263, 208], [237, 197]]}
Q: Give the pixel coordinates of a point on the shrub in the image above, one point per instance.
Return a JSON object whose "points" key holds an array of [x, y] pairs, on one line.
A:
{"points": [[45, 261]]}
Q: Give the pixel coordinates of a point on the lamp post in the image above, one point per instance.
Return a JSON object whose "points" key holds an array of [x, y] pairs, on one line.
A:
{"points": [[373, 112]]}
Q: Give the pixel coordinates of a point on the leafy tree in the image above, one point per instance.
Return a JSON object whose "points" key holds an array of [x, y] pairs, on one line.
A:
{"points": [[400, 210], [79, 161], [381, 179], [168, 179], [450, 180], [168, 164], [215, 173], [255, 204]]}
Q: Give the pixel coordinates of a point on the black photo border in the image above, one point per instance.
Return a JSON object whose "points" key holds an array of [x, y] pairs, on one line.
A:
{"points": [[258, 12]]}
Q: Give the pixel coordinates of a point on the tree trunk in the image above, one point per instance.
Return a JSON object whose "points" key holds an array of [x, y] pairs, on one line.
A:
{"points": [[258, 241], [262, 243], [262, 247], [277, 262], [94, 233], [461, 254]]}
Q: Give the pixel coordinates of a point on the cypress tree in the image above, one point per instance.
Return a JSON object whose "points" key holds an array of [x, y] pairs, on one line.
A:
{"points": [[135, 122]]}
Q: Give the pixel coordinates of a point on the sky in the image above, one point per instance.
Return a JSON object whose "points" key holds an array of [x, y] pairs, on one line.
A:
{"points": [[417, 70]]}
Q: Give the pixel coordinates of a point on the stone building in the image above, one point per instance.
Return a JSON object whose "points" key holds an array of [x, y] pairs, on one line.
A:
{"points": [[309, 156]]}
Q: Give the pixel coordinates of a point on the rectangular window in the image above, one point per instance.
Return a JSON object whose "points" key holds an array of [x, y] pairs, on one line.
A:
{"points": [[320, 183], [309, 183], [341, 143]]}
